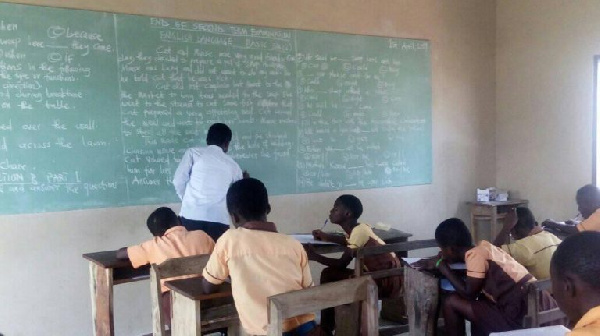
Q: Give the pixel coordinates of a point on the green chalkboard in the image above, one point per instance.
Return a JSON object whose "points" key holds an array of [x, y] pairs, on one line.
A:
{"points": [[96, 109]]}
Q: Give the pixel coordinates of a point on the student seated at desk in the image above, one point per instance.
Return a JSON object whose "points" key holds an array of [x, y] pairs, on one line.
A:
{"points": [[260, 261], [171, 240], [575, 271], [588, 202], [533, 247], [345, 212], [493, 296]]}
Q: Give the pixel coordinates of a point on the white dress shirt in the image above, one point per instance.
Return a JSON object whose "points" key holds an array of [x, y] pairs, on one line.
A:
{"points": [[201, 182]]}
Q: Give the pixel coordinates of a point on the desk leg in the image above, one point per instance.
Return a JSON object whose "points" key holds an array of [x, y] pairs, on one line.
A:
{"points": [[185, 319], [494, 225], [101, 288], [347, 319], [474, 228], [421, 292]]}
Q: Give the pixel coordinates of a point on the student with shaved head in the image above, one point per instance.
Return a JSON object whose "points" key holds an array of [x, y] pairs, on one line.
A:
{"points": [[575, 272]]}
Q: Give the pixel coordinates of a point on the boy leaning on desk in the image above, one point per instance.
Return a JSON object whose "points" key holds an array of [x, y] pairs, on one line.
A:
{"points": [[171, 240], [493, 297]]}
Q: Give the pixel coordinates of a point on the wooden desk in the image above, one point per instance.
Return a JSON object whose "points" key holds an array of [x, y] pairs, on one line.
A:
{"points": [[390, 236], [492, 211], [422, 296], [193, 310], [105, 271]]}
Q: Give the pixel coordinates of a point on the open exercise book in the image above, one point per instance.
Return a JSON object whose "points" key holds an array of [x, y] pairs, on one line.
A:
{"points": [[309, 239]]}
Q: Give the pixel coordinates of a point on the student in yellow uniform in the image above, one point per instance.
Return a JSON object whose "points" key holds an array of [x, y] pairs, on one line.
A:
{"points": [[171, 240], [260, 261], [533, 247], [575, 273], [588, 202], [345, 212]]}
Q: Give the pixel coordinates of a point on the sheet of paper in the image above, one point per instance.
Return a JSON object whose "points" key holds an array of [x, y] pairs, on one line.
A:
{"points": [[544, 331], [411, 261], [309, 239], [458, 266]]}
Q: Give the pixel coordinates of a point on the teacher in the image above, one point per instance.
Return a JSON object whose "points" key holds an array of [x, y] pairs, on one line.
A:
{"points": [[201, 182]]}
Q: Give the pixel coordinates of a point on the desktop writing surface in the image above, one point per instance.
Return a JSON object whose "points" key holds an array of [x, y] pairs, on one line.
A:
{"points": [[96, 109]]}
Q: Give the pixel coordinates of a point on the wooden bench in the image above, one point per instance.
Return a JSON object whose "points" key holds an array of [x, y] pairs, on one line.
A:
{"points": [[393, 309], [189, 315], [536, 314], [336, 294]]}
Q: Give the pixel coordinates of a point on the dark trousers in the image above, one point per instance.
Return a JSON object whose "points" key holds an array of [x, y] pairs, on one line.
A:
{"points": [[213, 229]]}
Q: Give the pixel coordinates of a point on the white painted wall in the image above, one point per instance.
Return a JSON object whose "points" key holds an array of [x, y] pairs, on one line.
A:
{"points": [[44, 288], [545, 51]]}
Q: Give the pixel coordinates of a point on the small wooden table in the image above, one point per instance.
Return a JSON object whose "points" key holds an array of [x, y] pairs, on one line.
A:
{"points": [[105, 271], [492, 211]]}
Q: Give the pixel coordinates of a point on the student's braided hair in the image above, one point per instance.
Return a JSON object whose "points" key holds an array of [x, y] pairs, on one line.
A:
{"points": [[579, 255], [248, 198]]}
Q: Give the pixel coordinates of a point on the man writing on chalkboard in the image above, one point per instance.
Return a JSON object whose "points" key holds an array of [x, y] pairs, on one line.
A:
{"points": [[202, 180]]}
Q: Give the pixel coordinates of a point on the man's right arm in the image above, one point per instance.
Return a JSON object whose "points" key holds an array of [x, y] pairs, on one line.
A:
{"points": [[182, 174]]}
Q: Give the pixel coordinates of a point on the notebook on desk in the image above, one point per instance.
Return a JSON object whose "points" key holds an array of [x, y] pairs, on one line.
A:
{"points": [[307, 238], [454, 266]]}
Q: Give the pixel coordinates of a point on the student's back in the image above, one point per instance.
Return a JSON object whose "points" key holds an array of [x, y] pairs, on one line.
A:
{"points": [[177, 242], [260, 261], [534, 252], [261, 264]]}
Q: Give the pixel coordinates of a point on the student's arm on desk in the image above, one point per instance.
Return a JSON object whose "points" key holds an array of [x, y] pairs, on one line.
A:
{"points": [[468, 289], [342, 262], [122, 253], [332, 238], [566, 228]]}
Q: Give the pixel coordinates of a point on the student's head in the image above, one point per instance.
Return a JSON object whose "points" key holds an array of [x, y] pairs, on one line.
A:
{"points": [[247, 200], [575, 270], [453, 238], [525, 223], [346, 208], [219, 135], [161, 220], [588, 200]]}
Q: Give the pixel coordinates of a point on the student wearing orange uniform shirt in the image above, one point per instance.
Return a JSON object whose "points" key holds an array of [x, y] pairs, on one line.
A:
{"points": [[260, 261], [171, 240]]}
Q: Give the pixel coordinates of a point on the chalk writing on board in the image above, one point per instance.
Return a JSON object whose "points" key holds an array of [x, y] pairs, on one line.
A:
{"points": [[100, 114]]}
